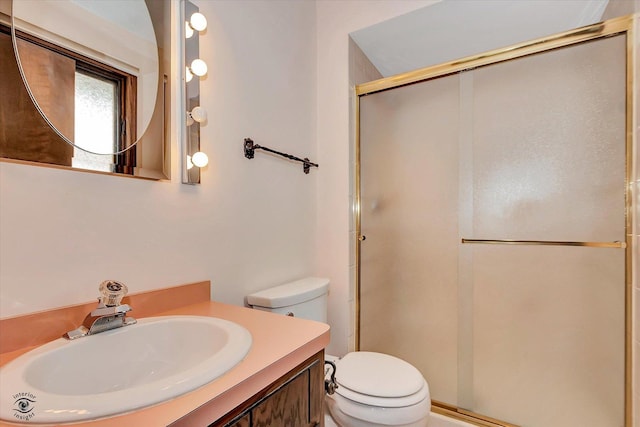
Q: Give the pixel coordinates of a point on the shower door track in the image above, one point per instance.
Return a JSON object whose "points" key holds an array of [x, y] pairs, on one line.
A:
{"points": [[467, 416]]}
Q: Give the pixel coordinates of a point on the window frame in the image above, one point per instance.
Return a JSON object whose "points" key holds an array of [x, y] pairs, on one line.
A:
{"points": [[124, 161]]}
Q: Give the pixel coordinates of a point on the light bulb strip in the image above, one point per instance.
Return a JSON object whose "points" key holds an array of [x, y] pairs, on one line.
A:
{"points": [[193, 159]]}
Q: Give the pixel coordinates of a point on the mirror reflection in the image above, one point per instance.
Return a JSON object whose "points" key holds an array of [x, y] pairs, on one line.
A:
{"points": [[95, 76], [112, 54]]}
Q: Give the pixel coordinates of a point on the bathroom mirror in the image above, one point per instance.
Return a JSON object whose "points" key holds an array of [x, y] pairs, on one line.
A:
{"points": [[96, 74], [113, 36]]}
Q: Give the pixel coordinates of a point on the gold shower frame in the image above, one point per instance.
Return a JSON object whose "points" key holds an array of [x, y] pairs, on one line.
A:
{"points": [[622, 25]]}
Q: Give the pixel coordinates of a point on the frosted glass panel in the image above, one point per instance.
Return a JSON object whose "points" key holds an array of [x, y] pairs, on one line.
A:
{"points": [[548, 341], [409, 140], [96, 106], [95, 122], [528, 149], [549, 145]]}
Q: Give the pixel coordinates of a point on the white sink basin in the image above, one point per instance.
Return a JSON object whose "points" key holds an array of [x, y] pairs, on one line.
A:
{"points": [[120, 370]]}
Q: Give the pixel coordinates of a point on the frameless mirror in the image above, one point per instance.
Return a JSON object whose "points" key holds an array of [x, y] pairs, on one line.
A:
{"points": [[113, 45], [97, 74]]}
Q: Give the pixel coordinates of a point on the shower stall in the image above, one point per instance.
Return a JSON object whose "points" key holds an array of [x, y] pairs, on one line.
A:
{"points": [[493, 196]]}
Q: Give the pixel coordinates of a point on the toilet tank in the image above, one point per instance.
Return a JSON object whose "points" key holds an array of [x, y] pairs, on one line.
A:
{"points": [[305, 298]]}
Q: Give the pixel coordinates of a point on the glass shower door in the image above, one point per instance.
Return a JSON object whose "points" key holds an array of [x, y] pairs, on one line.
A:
{"points": [[549, 166], [409, 196], [524, 162]]}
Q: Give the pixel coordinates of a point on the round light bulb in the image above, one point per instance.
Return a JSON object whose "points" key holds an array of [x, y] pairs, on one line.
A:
{"points": [[188, 76], [198, 21], [190, 120], [200, 159], [199, 114], [189, 162], [199, 67], [188, 31]]}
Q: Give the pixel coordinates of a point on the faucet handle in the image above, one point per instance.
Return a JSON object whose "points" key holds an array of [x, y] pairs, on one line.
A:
{"points": [[112, 292]]}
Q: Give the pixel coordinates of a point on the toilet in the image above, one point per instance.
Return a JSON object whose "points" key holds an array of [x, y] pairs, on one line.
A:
{"points": [[374, 389]]}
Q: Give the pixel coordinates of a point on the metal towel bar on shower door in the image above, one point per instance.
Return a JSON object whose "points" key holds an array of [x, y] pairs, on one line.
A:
{"points": [[615, 244]]}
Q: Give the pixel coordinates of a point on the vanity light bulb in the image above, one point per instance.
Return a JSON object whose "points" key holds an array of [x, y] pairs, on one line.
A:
{"points": [[188, 76], [200, 159], [199, 114], [189, 162], [199, 67], [198, 22], [190, 120], [188, 31]]}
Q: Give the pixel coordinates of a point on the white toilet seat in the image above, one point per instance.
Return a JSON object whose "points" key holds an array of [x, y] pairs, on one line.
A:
{"points": [[379, 389], [385, 402], [379, 375]]}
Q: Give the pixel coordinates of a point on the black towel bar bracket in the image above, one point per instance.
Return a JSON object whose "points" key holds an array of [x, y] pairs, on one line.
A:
{"points": [[250, 148]]}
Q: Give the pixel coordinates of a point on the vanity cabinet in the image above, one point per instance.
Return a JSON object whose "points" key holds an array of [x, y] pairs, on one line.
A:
{"points": [[294, 400]]}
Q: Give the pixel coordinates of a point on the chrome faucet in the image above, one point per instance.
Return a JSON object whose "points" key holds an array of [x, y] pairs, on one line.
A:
{"points": [[109, 314]]}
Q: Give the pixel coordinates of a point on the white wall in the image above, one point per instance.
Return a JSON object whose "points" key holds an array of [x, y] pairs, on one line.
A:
{"points": [[248, 226]]}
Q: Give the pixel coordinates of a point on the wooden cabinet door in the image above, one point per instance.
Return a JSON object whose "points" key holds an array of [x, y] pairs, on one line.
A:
{"points": [[295, 400], [316, 391], [287, 407]]}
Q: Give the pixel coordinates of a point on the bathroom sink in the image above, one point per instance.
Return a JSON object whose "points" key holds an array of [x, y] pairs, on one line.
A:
{"points": [[120, 370]]}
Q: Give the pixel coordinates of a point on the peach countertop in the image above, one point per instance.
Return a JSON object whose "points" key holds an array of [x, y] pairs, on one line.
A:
{"points": [[279, 344]]}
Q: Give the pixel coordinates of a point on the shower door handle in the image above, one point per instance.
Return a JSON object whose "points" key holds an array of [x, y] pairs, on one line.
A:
{"points": [[616, 244]]}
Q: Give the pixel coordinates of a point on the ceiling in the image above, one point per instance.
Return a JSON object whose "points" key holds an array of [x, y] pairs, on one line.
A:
{"points": [[453, 29]]}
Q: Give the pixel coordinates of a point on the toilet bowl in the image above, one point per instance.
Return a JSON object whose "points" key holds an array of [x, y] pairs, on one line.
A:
{"points": [[374, 389]]}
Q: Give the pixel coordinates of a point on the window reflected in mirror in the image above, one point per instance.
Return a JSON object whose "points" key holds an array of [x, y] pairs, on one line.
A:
{"points": [[96, 121], [60, 89]]}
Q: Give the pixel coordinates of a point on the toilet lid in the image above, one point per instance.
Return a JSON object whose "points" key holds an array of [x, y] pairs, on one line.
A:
{"points": [[378, 375], [386, 402]]}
